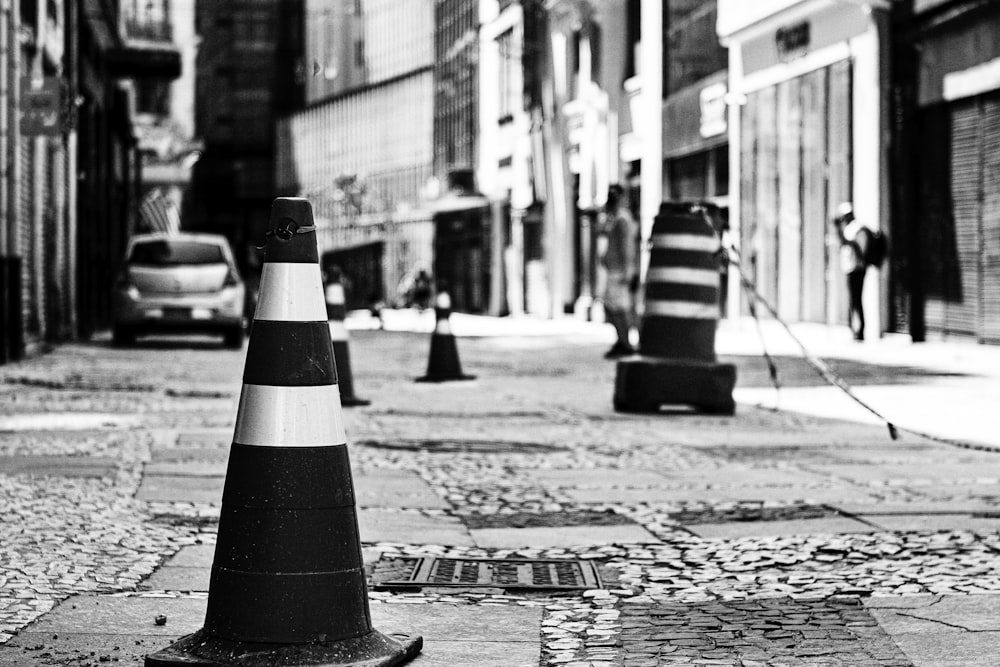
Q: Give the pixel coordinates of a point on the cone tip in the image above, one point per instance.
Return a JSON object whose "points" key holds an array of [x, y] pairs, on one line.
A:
{"points": [[290, 232]]}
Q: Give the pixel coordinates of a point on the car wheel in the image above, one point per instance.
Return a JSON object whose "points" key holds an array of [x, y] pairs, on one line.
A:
{"points": [[122, 336], [233, 338]]}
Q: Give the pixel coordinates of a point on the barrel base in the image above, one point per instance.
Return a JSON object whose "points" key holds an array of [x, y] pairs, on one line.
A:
{"points": [[371, 650], [643, 384]]}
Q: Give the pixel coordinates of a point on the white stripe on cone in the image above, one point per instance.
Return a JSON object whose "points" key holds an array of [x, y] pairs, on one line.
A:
{"points": [[291, 292], [335, 294], [686, 309], [443, 327], [683, 275], [338, 331], [686, 242], [272, 416]]}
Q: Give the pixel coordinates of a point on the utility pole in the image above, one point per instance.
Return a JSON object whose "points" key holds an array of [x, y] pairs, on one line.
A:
{"points": [[651, 59]]}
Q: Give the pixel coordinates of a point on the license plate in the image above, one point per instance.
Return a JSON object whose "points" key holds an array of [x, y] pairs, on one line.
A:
{"points": [[177, 313]]}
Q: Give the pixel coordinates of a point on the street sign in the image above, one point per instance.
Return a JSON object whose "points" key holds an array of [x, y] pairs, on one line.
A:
{"points": [[41, 107]]}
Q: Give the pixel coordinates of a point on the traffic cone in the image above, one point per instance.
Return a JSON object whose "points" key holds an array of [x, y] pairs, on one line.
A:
{"points": [[288, 581], [443, 364], [336, 313]]}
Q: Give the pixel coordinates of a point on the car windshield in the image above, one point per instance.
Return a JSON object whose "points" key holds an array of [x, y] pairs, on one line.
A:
{"points": [[176, 253]]}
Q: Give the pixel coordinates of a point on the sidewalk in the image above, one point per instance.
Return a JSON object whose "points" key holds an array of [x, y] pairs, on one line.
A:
{"points": [[768, 538]]}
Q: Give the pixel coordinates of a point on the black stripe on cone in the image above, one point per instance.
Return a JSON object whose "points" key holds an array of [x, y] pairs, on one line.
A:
{"points": [[443, 364], [288, 583]]}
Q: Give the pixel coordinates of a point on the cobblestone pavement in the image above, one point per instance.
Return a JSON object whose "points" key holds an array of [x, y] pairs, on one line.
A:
{"points": [[741, 565]]}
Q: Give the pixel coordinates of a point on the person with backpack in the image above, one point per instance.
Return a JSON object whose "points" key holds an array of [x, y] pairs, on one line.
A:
{"points": [[860, 247]]}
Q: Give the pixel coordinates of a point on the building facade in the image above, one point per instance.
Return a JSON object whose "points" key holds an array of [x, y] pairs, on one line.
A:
{"points": [[947, 245], [249, 72], [362, 149], [808, 129], [70, 176]]}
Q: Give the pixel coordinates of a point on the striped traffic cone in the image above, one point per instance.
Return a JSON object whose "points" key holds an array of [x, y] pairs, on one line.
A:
{"points": [[336, 313], [443, 364], [288, 582]]}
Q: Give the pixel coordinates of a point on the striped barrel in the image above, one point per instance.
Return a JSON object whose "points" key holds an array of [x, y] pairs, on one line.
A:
{"points": [[682, 286]]}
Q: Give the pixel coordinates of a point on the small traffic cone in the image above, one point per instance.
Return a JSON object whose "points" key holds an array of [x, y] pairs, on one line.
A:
{"points": [[443, 364], [288, 581], [336, 313]]}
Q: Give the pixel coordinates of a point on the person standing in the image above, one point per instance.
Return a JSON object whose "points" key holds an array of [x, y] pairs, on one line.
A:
{"points": [[854, 239], [619, 244]]}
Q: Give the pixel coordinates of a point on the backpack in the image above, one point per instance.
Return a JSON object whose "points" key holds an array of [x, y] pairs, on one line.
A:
{"points": [[876, 249]]}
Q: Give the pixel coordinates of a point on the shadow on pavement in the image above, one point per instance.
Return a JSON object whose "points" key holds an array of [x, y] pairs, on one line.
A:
{"points": [[797, 372]]}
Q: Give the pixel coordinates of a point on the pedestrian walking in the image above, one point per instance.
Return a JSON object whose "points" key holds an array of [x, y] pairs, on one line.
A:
{"points": [[855, 239], [619, 254]]}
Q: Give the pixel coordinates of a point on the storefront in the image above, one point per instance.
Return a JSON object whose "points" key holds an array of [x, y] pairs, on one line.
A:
{"points": [[956, 271], [807, 131]]}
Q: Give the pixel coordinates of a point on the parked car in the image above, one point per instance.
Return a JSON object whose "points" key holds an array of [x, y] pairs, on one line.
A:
{"points": [[179, 283]]}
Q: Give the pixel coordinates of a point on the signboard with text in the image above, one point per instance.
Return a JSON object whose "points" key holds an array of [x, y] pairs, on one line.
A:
{"points": [[41, 107]]}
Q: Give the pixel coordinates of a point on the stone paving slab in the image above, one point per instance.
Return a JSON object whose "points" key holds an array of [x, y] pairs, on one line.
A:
{"points": [[938, 614], [183, 579], [187, 468], [395, 489], [559, 536], [62, 466], [454, 636], [778, 631], [821, 526], [824, 495], [936, 522], [176, 488], [938, 473], [218, 438], [196, 555], [967, 649], [924, 506], [382, 525], [179, 454], [943, 631], [626, 478]]}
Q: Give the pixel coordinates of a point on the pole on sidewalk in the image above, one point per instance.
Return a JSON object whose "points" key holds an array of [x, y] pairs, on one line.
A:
{"points": [[288, 582]]}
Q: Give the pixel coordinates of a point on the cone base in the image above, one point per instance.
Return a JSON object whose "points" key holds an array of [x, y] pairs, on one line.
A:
{"points": [[371, 650], [444, 378]]}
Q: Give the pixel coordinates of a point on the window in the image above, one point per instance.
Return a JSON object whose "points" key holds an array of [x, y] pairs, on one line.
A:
{"points": [[508, 92], [176, 253]]}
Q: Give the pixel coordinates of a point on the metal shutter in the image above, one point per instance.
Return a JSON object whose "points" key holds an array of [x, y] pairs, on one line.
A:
{"points": [[839, 157], [962, 308], [814, 206], [991, 220], [747, 193]]}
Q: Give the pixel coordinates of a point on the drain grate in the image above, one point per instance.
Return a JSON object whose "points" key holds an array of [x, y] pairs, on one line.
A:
{"points": [[485, 572]]}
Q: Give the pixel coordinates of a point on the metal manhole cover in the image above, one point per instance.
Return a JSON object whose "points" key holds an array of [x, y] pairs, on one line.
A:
{"points": [[461, 445], [485, 572]]}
